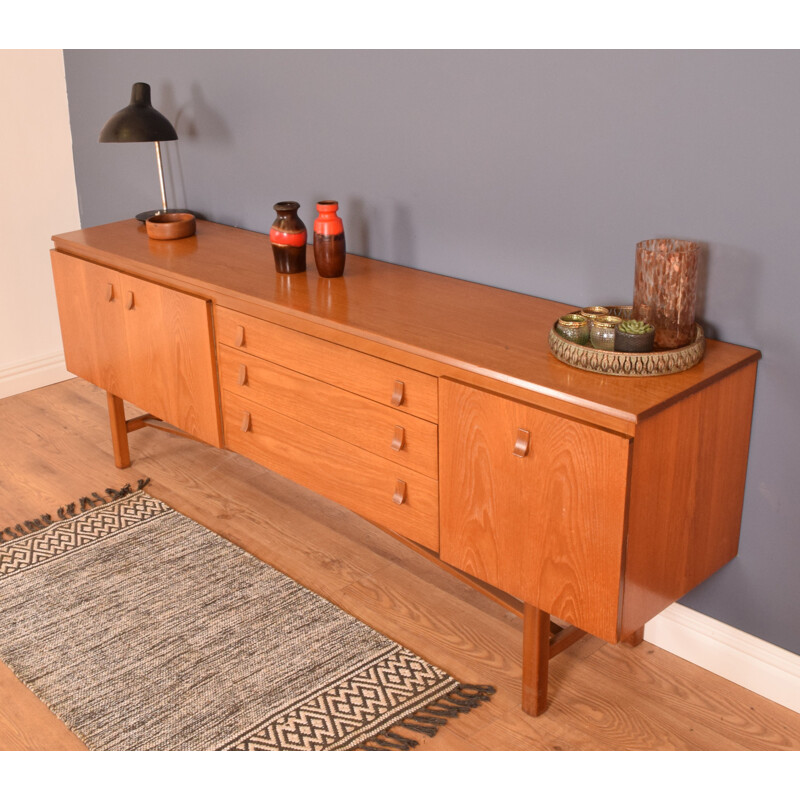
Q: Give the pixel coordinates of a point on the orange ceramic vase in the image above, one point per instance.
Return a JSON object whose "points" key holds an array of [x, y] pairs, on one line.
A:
{"points": [[329, 251]]}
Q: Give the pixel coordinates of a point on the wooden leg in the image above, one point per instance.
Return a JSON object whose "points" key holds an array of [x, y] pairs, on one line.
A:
{"points": [[636, 638], [119, 431], [535, 659]]}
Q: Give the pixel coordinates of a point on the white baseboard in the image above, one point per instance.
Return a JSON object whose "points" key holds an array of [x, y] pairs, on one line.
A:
{"points": [[763, 668], [32, 374]]}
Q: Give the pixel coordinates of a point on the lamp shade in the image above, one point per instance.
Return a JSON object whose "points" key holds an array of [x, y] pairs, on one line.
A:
{"points": [[139, 121]]}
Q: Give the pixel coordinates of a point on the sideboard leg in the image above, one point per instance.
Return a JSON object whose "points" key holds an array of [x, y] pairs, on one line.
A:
{"points": [[119, 431], [535, 659], [636, 638]]}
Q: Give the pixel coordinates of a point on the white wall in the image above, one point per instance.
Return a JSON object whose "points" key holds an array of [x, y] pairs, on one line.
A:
{"points": [[38, 198]]}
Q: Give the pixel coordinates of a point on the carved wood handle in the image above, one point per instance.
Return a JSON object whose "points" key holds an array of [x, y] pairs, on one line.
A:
{"points": [[246, 421], [129, 301], [399, 440], [399, 495], [242, 379], [523, 444], [238, 339], [110, 292], [399, 393]]}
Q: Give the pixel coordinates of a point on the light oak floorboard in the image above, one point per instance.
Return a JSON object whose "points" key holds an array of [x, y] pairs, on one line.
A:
{"points": [[56, 447]]}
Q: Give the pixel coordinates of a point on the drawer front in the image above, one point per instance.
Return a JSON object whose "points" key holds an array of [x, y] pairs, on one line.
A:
{"points": [[382, 381], [388, 432], [380, 491]]}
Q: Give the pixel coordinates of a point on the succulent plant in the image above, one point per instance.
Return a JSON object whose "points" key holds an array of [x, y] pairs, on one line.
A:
{"points": [[634, 326]]}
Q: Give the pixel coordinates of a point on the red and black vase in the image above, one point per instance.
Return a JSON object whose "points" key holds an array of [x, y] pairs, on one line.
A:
{"points": [[288, 237], [329, 252]]}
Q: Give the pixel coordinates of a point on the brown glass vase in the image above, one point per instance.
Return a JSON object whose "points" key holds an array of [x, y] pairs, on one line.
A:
{"points": [[329, 249], [288, 237], [665, 290]]}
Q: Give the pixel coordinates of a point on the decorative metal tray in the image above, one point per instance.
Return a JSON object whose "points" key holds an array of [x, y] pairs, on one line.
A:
{"points": [[634, 365]]}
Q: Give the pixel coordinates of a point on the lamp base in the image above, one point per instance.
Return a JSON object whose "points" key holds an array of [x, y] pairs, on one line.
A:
{"points": [[145, 215]]}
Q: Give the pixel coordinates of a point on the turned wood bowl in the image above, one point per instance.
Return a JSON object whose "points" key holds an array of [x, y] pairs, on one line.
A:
{"points": [[171, 226]]}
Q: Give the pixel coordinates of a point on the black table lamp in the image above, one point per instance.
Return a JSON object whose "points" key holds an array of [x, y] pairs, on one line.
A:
{"points": [[140, 122]]}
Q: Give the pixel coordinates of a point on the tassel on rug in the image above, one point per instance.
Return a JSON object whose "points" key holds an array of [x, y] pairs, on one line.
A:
{"points": [[70, 510], [430, 719]]}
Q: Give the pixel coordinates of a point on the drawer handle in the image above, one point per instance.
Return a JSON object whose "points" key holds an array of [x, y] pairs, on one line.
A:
{"points": [[246, 422], [242, 379], [399, 393], [523, 443], [238, 340], [399, 495], [129, 301], [399, 440], [110, 292]]}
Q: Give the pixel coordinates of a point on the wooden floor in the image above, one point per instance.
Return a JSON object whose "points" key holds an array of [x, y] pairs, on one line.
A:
{"points": [[55, 448]]}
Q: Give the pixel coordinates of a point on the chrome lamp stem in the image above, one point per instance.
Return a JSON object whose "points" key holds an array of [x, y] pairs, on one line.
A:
{"points": [[161, 178]]}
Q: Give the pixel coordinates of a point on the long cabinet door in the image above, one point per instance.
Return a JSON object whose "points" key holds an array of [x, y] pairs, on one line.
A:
{"points": [[92, 329], [533, 504], [143, 342], [171, 357]]}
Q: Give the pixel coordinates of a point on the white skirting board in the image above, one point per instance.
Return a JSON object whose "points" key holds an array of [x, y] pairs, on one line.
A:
{"points": [[763, 668], [32, 374]]}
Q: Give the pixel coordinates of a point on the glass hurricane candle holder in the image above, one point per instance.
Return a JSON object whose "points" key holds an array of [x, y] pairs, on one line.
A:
{"points": [[665, 289], [592, 312], [574, 327], [603, 331]]}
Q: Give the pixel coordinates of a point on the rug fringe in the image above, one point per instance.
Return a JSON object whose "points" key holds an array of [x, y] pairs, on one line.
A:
{"points": [[430, 719], [70, 510]]}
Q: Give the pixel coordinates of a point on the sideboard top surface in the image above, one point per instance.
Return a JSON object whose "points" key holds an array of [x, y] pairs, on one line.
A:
{"points": [[492, 332]]}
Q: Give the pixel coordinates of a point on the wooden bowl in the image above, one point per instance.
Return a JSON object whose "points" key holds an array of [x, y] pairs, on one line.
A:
{"points": [[171, 226]]}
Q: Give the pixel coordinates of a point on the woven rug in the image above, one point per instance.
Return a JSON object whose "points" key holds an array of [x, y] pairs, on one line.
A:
{"points": [[143, 630]]}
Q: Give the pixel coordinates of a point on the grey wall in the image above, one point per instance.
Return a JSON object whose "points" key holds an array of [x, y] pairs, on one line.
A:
{"points": [[533, 171]]}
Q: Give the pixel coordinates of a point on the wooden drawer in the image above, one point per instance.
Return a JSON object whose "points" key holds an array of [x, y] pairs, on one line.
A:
{"points": [[380, 491], [382, 381], [388, 432]]}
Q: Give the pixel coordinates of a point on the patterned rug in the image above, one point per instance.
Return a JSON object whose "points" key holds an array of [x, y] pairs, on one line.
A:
{"points": [[142, 630]]}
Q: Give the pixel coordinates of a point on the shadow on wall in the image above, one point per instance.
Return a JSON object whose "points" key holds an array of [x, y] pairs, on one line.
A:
{"points": [[193, 120], [733, 277], [365, 228]]}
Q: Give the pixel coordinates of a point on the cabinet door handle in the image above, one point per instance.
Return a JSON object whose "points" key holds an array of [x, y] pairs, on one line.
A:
{"points": [[110, 292], [129, 301], [399, 440], [523, 443], [246, 421], [399, 393], [238, 339], [399, 495], [242, 379]]}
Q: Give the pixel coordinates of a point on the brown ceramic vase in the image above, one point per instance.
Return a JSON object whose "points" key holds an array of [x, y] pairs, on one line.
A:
{"points": [[288, 237]]}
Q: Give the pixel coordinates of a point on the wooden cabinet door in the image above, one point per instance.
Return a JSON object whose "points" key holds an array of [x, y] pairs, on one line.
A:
{"points": [[92, 327], [171, 357], [145, 343], [533, 504]]}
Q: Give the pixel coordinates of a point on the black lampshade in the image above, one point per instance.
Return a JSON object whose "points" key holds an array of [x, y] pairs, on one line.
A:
{"points": [[138, 122]]}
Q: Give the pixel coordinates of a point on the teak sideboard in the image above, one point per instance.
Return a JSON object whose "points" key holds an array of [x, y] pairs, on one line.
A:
{"points": [[433, 408]]}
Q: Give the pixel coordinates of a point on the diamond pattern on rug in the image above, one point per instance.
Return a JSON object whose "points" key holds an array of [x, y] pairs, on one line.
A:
{"points": [[345, 714], [67, 535]]}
